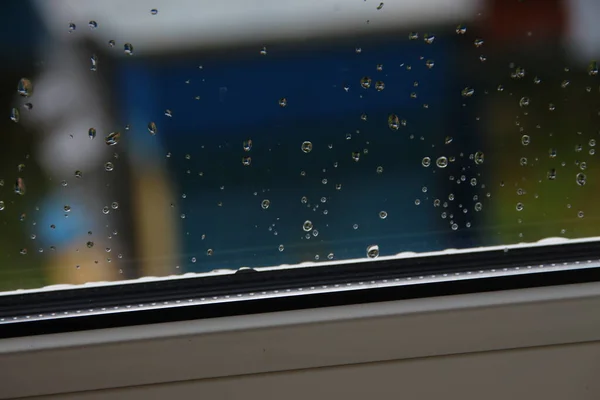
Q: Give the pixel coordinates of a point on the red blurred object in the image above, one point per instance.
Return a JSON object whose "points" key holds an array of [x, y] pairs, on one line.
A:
{"points": [[532, 19]]}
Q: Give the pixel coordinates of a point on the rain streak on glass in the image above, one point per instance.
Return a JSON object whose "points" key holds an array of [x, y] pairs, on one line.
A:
{"points": [[128, 49], [442, 162], [25, 87], [307, 226], [265, 204], [152, 128], [426, 162], [112, 138], [365, 82], [306, 146], [373, 251], [393, 122]]}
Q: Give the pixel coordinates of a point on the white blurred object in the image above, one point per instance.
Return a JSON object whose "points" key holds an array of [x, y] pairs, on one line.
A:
{"points": [[181, 24], [583, 30]]}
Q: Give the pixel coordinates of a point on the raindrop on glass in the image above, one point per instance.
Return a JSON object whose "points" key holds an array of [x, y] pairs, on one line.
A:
{"points": [[383, 214], [442, 162], [15, 115], [426, 162], [393, 122], [112, 138], [373, 251], [72, 27], [128, 48], [265, 204], [306, 146], [282, 102], [92, 133], [365, 82], [154, 11], [25, 87], [524, 102], [152, 128], [109, 166], [581, 179], [307, 226]]}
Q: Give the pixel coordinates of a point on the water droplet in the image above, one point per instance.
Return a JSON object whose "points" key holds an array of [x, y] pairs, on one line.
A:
{"points": [[209, 252], [307, 226], [168, 113], [379, 170], [565, 84], [441, 162], [519, 207], [380, 6], [417, 202], [358, 50], [93, 24], [413, 36], [581, 179], [114, 205], [525, 140], [478, 157], [468, 92], [338, 186], [105, 210], [373, 251], [152, 128], [128, 48], [429, 64], [15, 115], [379, 67], [429, 38], [593, 68], [247, 145], [379, 86], [356, 156], [583, 165], [365, 82], [461, 29], [112, 138], [580, 214], [448, 140], [23, 251], [478, 42], [383, 214], [282, 102], [2, 206], [20, 186], [246, 161], [94, 63], [25, 87], [265, 204], [426, 162], [478, 206], [355, 226], [78, 174], [306, 146], [154, 11], [28, 106], [92, 133], [393, 122], [72, 27], [111, 43], [523, 161], [89, 244], [552, 174], [109, 166], [524, 102]]}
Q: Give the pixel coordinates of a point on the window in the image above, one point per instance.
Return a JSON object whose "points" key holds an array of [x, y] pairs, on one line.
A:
{"points": [[232, 158]]}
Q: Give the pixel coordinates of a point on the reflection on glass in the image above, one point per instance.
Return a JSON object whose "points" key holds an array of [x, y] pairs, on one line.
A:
{"points": [[361, 133]]}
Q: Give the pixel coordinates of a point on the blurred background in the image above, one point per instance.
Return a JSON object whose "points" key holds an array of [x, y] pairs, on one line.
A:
{"points": [[156, 138]]}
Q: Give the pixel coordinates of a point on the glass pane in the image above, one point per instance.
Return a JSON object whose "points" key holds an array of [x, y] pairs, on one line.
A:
{"points": [[191, 136]]}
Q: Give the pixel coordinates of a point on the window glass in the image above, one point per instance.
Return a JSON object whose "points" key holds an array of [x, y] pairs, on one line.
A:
{"points": [[185, 136]]}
